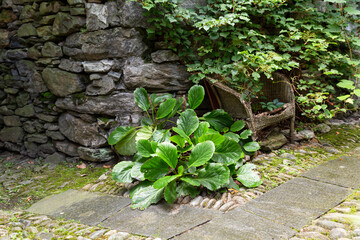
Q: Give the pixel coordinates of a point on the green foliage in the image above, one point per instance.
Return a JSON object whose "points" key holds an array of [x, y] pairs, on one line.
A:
{"points": [[240, 42], [196, 152]]}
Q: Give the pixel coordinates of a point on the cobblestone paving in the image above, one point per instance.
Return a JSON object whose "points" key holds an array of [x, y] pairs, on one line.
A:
{"points": [[23, 225], [342, 222]]}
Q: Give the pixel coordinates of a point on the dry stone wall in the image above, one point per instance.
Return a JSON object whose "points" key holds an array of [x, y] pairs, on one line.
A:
{"points": [[68, 70]]}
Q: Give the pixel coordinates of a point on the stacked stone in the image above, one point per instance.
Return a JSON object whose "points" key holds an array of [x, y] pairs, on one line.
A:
{"points": [[68, 72]]}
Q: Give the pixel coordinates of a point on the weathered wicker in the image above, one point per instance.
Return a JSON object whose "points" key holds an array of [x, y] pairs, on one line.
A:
{"points": [[232, 102]]}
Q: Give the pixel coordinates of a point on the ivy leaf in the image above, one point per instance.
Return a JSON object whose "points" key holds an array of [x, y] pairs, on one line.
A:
{"points": [[216, 138], [229, 152], [185, 189], [144, 148], [164, 181], [143, 195], [196, 96], [246, 134], [218, 119], [237, 126], [213, 176], [201, 154], [357, 92], [127, 146], [165, 108], [346, 84], [233, 136], [344, 97], [352, 11], [122, 172], [170, 193], [141, 99], [118, 134], [247, 176], [154, 168], [251, 146], [168, 153], [188, 122]]}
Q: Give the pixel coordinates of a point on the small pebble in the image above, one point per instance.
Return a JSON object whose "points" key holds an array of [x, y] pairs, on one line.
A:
{"points": [[217, 205], [338, 233], [204, 202], [211, 203], [226, 206], [119, 236], [329, 224], [196, 201]]}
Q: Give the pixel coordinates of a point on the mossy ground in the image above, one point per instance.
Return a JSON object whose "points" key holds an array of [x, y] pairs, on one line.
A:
{"points": [[23, 184]]}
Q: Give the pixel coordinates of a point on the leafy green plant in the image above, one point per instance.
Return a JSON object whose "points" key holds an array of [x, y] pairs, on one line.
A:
{"points": [[238, 42], [197, 152], [272, 105]]}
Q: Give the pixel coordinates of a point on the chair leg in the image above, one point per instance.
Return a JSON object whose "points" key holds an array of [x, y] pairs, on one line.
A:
{"points": [[292, 130]]}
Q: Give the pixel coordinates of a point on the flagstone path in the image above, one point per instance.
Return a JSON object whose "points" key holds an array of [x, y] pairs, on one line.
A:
{"points": [[278, 214]]}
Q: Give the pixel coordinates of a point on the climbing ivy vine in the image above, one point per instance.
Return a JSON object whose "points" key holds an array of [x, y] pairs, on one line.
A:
{"points": [[240, 41]]}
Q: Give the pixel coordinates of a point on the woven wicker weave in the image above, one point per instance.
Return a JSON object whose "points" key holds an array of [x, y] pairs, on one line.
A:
{"points": [[232, 102]]}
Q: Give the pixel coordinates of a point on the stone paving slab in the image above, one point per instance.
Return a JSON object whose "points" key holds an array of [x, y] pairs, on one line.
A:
{"points": [[238, 225], [160, 220], [343, 171], [297, 202], [86, 207]]}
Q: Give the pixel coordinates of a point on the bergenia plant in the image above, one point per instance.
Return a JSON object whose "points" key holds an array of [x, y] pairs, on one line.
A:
{"points": [[197, 152]]}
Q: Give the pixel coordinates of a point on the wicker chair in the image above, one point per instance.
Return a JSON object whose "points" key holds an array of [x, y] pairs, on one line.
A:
{"points": [[231, 101]]}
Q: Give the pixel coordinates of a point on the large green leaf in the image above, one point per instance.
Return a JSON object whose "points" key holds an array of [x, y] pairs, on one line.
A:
{"points": [[154, 169], [136, 172], [219, 119], [141, 99], [213, 176], [185, 189], [122, 172], [159, 99], [168, 153], [229, 152], [247, 176], [188, 121], [216, 138], [201, 130], [237, 126], [201, 154], [170, 193], [127, 146], [179, 140], [143, 195], [118, 134], [144, 148], [164, 181], [182, 134], [196, 96], [144, 133], [251, 146], [166, 108], [161, 136], [179, 103]]}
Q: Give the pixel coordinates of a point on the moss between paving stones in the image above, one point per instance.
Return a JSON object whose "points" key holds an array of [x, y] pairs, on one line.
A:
{"points": [[25, 183]]}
